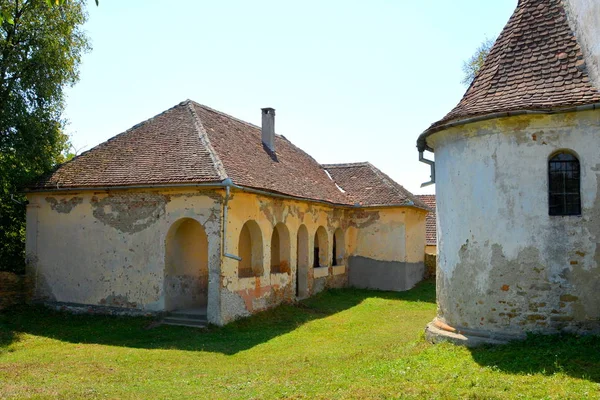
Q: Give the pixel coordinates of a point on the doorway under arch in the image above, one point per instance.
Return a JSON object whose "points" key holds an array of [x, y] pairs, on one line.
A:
{"points": [[302, 262], [186, 266]]}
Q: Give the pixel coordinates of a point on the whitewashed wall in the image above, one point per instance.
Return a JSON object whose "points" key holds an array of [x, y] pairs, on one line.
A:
{"points": [[505, 265], [584, 18]]}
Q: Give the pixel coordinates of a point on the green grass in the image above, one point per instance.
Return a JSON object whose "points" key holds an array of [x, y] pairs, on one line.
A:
{"points": [[339, 344]]}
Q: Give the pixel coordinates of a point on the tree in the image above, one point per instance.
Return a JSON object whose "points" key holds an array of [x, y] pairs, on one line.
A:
{"points": [[6, 16], [471, 68], [40, 51]]}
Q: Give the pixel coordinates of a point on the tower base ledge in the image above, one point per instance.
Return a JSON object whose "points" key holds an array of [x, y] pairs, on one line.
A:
{"points": [[437, 331]]}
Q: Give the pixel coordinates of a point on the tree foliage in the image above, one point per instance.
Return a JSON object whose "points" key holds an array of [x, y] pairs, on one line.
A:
{"points": [[473, 65], [41, 45]]}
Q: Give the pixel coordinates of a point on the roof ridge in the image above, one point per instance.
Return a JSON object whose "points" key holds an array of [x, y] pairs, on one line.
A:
{"points": [[398, 188], [203, 136], [322, 187], [207, 108], [346, 165]]}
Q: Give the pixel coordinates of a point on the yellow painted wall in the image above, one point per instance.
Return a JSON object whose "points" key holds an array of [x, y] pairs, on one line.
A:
{"points": [[246, 295], [108, 248], [431, 249], [398, 234]]}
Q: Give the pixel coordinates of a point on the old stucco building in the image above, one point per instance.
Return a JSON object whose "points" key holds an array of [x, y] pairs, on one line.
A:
{"points": [[195, 209], [517, 167]]}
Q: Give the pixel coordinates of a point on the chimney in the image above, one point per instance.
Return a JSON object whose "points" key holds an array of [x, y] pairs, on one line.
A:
{"points": [[268, 128]]}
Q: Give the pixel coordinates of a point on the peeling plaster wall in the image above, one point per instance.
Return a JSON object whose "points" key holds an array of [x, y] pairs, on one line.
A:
{"points": [[389, 234], [504, 264], [244, 296], [388, 252], [108, 249], [584, 18]]}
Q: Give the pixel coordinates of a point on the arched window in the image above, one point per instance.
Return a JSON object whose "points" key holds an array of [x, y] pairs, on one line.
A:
{"points": [[280, 249], [320, 250], [338, 247], [250, 250], [563, 185], [186, 266]]}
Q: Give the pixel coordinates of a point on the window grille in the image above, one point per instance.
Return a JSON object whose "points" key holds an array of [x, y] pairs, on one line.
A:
{"points": [[564, 196]]}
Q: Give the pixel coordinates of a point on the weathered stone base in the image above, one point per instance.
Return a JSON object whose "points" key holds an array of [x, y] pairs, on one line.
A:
{"points": [[99, 310], [438, 331], [366, 273]]}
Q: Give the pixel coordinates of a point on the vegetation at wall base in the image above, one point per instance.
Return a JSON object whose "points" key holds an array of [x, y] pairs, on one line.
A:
{"points": [[340, 344]]}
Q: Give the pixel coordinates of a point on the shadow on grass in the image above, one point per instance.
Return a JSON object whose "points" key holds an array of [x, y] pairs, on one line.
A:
{"points": [[230, 339], [545, 354]]}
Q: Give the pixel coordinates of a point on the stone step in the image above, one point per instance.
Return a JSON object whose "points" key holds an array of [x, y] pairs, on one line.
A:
{"points": [[185, 321], [192, 314]]}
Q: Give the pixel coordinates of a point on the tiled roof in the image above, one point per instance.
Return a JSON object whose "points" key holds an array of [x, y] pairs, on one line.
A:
{"points": [[192, 143], [162, 150], [249, 163], [368, 186], [430, 227], [536, 64]]}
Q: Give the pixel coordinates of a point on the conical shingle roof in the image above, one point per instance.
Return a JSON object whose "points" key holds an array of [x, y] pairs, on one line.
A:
{"points": [[536, 64]]}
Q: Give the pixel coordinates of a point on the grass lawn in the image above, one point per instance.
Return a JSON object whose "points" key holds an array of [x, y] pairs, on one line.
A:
{"points": [[339, 344]]}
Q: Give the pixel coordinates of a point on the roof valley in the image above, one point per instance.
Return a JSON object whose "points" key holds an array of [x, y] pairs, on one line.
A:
{"points": [[368, 186]]}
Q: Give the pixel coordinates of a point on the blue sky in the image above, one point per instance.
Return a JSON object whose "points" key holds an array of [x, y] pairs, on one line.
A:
{"points": [[350, 80]]}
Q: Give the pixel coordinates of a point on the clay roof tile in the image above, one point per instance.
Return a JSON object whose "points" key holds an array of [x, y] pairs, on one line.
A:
{"points": [[191, 143], [535, 48]]}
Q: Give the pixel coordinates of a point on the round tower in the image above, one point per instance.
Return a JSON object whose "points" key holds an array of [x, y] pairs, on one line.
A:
{"points": [[517, 171]]}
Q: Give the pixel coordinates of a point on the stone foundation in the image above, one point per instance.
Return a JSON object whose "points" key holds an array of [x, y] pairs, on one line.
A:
{"points": [[75, 308]]}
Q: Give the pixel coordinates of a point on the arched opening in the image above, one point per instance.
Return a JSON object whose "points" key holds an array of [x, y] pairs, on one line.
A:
{"points": [[302, 262], [280, 249], [564, 197], [250, 250], [186, 266], [320, 248], [339, 244]]}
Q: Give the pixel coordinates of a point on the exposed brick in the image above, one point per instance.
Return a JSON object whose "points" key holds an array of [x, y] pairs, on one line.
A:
{"points": [[568, 298]]}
